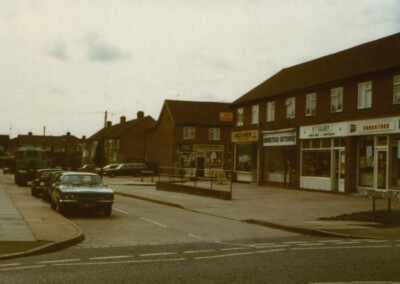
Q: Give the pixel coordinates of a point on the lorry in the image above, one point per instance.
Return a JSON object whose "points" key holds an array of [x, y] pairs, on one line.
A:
{"points": [[28, 160]]}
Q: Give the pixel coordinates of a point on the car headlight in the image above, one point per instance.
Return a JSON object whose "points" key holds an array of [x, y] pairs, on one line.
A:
{"points": [[69, 196]]}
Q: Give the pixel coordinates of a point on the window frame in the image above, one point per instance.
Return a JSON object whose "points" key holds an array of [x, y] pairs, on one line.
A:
{"points": [[290, 102], [396, 87], [240, 117], [270, 115], [311, 104], [255, 109], [189, 132], [335, 95], [364, 89], [214, 134]]}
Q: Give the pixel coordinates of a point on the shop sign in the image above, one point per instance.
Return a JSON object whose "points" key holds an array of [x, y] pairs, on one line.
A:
{"points": [[241, 136], [279, 139], [373, 126], [226, 116], [208, 148], [323, 130], [186, 147]]}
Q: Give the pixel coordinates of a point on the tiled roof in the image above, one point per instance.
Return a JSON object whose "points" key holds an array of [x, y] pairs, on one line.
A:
{"points": [[197, 113], [374, 56], [43, 140]]}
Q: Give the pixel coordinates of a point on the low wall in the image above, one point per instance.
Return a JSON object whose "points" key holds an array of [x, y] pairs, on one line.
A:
{"points": [[169, 186]]}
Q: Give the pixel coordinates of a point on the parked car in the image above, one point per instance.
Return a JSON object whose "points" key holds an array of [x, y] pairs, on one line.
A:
{"points": [[110, 166], [47, 185], [82, 190], [41, 178], [89, 168], [127, 169]]}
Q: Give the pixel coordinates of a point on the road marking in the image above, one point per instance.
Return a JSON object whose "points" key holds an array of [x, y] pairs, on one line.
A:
{"points": [[295, 243], [56, 261], [330, 241], [347, 243], [376, 241], [22, 267], [275, 246], [154, 222], [238, 254], [353, 247], [196, 237], [10, 264], [121, 211], [263, 244], [119, 262], [110, 257], [199, 251], [311, 244], [223, 249], [159, 253]]}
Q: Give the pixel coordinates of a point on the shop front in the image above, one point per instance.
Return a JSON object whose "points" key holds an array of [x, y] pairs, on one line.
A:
{"points": [[279, 157], [246, 155]]}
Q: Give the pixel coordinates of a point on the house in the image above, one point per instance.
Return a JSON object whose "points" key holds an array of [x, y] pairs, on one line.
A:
{"points": [[63, 151], [123, 142], [330, 124], [191, 135]]}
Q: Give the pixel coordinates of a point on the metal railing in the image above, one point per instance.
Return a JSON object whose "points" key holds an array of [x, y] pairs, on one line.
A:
{"points": [[373, 193]]}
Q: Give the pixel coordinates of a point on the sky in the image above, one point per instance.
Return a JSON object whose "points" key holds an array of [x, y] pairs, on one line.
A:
{"points": [[64, 63]]}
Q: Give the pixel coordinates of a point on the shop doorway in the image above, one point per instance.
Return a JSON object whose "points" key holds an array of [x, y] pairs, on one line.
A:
{"points": [[339, 167], [200, 167], [381, 169]]}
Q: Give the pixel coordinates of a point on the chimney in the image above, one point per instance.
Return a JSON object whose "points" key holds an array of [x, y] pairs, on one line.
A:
{"points": [[68, 134], [30, 133], [140, 115], [109, 123], [122, 119], [84, 137]]}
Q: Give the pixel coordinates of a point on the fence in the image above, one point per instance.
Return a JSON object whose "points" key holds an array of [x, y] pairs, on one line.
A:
{"points": [[374, 193]]}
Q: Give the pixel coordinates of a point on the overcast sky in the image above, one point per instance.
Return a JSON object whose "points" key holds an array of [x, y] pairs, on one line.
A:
{"points": [[63, 63]]}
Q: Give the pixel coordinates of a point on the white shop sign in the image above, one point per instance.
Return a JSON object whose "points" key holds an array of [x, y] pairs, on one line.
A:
{"points": [[374, 126], [279, 139], [323, 130]]}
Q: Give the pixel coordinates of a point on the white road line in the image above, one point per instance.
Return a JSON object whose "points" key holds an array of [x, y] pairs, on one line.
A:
{"points": [[22, 267], [156, 254], [352, 247], [330, 241], [263, 244], [311, 244], [10, 264], [275, 246], [154, 222], [223, 249], [346, 243], [295, 243], [121, 211], [199, 251], [238, 254], [377, 241], [119, 262], [194, 236], [110, 257], [57, 261]]}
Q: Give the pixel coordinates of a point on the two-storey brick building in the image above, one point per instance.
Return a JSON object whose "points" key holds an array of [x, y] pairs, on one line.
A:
{"points": [[332, 123], [191, 135]]}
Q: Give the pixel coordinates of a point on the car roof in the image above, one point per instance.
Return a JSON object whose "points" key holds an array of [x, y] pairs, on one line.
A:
{"points": [[79, 174]]}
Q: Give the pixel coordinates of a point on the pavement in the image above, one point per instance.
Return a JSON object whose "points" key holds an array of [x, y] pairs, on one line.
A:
{"points": [[29, 226]]}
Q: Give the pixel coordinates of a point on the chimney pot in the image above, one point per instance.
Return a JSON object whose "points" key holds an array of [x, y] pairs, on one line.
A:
{"points": [[123, 119], [30, 133], [140, 114], [109, 123]]}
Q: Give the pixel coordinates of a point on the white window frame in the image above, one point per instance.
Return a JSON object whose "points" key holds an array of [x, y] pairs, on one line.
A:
{"points": [[271, 111], [396, 89], [239, 116], [214, 134], [290, 107], [365, 95], [254, 114], [189, 132], [337, 99], [311, 104]]}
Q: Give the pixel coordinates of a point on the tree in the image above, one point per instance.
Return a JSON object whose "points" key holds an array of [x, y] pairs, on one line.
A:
{"points": [[100, 154]]}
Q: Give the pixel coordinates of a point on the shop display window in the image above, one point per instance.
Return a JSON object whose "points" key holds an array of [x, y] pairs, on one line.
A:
{"points": [[316, 143], [366, 161], [246, 157], [316, 163], [395, 163], [326, 143], [214, 159], [188, 159], [305, 144]]}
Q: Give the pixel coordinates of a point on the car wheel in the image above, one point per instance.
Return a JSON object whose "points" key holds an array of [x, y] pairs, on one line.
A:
{"points": [[107, 211], [59, 208]]}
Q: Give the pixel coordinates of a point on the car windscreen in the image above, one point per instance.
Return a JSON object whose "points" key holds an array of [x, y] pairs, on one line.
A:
{"points": [[81, 180]]}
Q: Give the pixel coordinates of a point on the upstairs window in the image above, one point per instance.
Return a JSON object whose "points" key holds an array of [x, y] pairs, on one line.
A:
{"points": [[270, 111], [214, 134], [365, 95], [396, 89], [311, 104], [290, 107], [188, 133], [337, 99], [254, 114], [239, 117]]}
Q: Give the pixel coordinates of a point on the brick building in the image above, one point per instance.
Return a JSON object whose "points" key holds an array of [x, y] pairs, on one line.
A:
{"points": [[191, 135], [331, 124], [124, 142]]}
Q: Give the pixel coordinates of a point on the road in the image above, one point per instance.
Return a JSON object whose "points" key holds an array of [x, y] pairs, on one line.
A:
{"points": [[151, 243]]}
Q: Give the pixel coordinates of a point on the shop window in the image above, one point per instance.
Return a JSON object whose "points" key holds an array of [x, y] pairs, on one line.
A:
{"points": [[316, 163], [254, 114], [396, 89], [326, 143], [188, 133], [214, 134], [366, 161], [246, 157], [270, 111], [365, 95], [239, 117], [188, 159], [311, 104], [395, 163], [315, 143], [381, 141], [337, 99], [290, 107], [305, 144], [214, 159]]}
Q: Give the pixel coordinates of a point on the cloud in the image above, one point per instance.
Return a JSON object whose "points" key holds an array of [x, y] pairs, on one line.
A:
{"points": [[57, 50], [98, 50]]}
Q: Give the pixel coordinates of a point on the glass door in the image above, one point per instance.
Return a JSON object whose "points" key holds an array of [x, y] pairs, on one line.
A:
{"points": [[381, 169], [341, 172]]}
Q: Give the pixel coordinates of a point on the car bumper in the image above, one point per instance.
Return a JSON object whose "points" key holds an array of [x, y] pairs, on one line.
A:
{"points": [[99, 204]]}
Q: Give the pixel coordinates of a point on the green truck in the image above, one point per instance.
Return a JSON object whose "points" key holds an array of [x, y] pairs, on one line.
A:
{"points": [[28, 160]]}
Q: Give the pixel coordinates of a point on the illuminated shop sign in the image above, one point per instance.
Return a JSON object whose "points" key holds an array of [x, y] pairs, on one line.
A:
{"points": [[279, 139], [240, 136]]}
